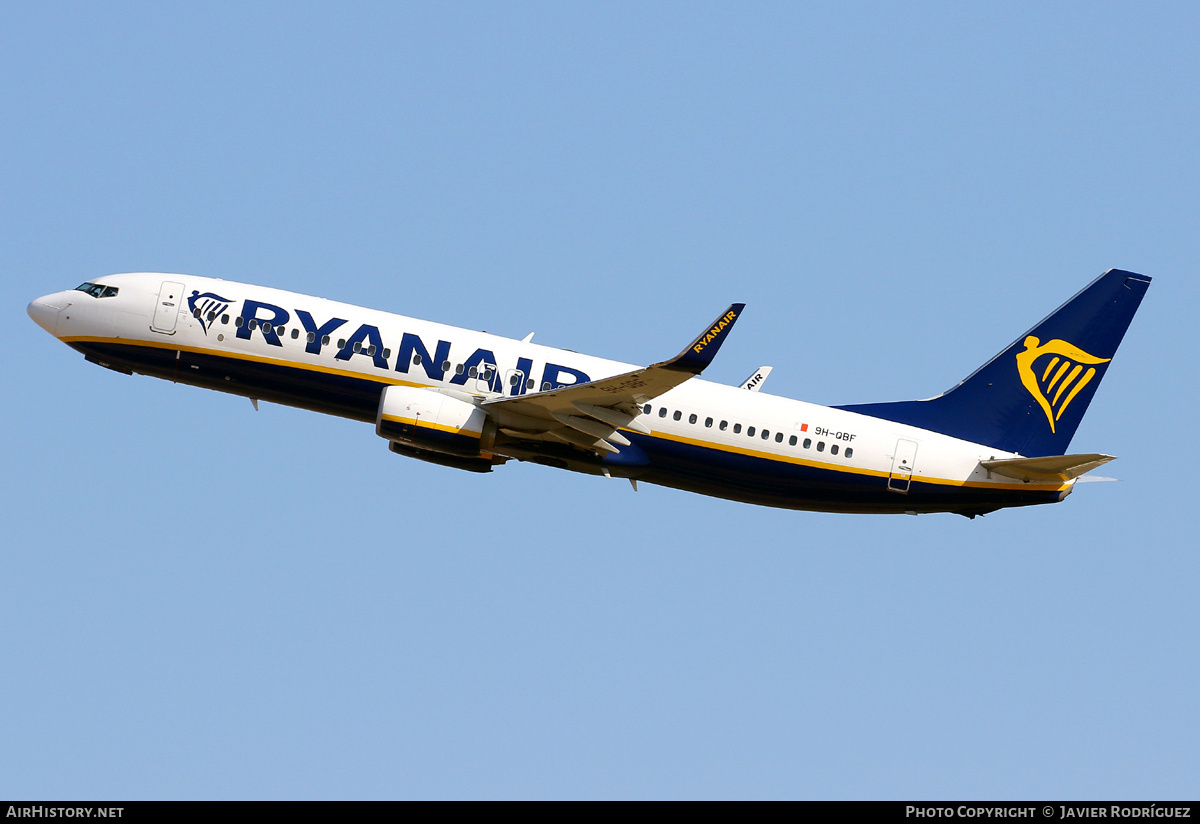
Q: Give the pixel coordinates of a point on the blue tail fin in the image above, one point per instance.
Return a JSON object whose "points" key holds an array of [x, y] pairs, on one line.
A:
{"points": [[1031, 397]]}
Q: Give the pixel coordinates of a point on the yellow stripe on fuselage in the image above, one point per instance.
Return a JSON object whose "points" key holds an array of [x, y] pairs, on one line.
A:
{"points": [[254, 358], [387, 379], [851, 470]]}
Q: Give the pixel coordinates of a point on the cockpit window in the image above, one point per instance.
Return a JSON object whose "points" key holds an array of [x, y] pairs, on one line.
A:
{"points": [[96, 290]]}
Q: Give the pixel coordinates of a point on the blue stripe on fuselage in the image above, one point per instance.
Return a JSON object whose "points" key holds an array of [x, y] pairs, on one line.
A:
{"points": [[658, 460], [759, 480]]}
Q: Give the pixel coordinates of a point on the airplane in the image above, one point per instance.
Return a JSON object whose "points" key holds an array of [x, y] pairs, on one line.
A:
{"points": [[474, 401]]}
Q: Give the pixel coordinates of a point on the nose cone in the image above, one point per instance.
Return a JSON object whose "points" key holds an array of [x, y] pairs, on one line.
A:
{"points": [[44, 311]]}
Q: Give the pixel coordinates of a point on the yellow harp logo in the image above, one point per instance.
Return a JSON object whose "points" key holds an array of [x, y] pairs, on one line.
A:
{"points": [[1062, 373]]}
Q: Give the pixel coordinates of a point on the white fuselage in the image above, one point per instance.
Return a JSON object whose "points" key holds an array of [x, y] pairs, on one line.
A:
{"points": [[276, 345]]}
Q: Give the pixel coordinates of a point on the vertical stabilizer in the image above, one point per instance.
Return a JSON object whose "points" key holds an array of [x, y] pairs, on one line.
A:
{"points": [[1031, 397]]}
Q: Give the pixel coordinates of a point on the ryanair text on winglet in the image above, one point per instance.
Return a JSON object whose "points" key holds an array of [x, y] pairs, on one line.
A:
{"points": [[699, 345]]}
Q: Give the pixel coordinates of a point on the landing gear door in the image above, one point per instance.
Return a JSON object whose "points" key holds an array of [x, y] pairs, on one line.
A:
{"points": [[166, 310], [902, 466]]}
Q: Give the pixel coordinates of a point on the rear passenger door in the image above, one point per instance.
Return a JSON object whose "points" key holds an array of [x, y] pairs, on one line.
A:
{"points": [[903, 462]]}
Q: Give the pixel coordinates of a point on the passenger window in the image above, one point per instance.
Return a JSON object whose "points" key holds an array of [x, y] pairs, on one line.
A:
{"points": [[341, 343], [708, 423], [387, 353], [807, 443], [833, 450], [416, 358], [750, 431], [646, 409], [253, 324], [224, 319], [325, 340], [778, 437], [357, 347], [677, 415], [310, 337], [238, 322], [723, 425], [458, 368], [446, 366], [792, 441], [766, 435], [737, 429], [820, 446], [514, 379], [692, 418], [295, 333], [471, 373], [212, 316], [529, 384], [371, 350], [849, 452], [266, 327], [196, 314], [545, 385], [662, 412]]}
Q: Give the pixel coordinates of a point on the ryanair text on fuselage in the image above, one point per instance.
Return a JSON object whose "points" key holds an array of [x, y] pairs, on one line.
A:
{"points": [[366, 341]]}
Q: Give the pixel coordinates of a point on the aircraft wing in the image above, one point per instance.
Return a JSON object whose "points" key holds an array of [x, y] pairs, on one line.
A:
{"points": [[589, 414]]}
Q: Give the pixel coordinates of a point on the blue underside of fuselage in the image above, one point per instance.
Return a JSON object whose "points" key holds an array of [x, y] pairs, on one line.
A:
{"points": [[656, 460]]}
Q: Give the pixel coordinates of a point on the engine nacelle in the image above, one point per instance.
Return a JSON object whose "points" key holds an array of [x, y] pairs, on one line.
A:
{"points": [[428, 421], [442, 459]]}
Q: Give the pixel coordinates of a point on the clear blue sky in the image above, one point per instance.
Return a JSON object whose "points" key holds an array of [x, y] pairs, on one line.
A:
{"points": [[203, 601]]}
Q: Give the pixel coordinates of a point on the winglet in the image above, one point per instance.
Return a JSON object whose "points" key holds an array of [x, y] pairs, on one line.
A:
{"points": [[702, 350], [757, 378]]}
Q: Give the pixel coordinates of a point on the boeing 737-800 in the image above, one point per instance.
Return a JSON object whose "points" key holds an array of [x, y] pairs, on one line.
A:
{"points": [[474, 401]]}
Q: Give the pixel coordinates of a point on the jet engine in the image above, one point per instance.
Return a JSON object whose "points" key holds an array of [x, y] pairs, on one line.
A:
{"points": [[434, 427]]}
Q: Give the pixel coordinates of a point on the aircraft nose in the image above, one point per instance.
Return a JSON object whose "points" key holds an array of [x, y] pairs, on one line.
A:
{"points": [[44, 311]]}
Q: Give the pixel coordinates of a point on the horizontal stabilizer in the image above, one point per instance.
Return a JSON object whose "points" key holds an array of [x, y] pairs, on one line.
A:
{"points": [[1049, 468]]}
